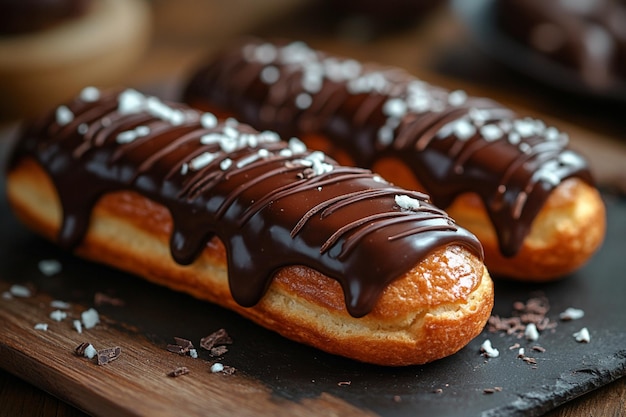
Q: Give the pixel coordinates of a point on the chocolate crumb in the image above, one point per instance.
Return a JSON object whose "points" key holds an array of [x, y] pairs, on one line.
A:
{"points": [[108, 355], [539, 349], [397, 398], [344, 383], [529, 360], [181, 370], [438, 391], [489, 391], [100, 299], [219, 337]]}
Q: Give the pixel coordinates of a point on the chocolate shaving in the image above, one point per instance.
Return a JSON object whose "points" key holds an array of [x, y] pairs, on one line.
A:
{"points": [[80, 349], [218, 351], [108, 355], [533, 311], [344, 383], [539, 349], [219, 337], [492, 390], [181, 347], [181, 370]]}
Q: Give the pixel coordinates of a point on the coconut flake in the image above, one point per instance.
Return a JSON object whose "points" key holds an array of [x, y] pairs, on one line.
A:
{"points": [[407, 203], [488, 350], [582, 336], [571, 313], [90, 318]]}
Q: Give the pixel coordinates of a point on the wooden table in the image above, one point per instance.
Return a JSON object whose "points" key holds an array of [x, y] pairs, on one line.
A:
{"points": [[435, 48]]}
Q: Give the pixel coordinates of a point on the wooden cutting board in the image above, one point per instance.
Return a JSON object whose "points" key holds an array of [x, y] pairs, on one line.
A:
{"points": [[274, 376]]}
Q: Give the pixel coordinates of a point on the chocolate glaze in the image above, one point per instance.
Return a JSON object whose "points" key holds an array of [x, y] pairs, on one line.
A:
{"points": [[453, 143], [272, 203]]}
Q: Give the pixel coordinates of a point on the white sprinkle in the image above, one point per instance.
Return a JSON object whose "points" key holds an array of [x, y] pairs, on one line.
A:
{"points": [[407, 203], [202, 160], [177, 117], [531, 333], [64, 115], [525, 147], [208, 120], [225, 164], [142, 130], [317, 163], [211, 138], [127, 136], [58, 315], [184, 168], [49, 267], [265, 53], [90, 352], [90, 94], [267, 136], [419, 103], [457, 98], [571, 313], [59, 304], [82, 128], [247, 160], [20, 291], [488, 350], [230, 131], [385, 135], [548, 176], [297, 146], [232, 122], [270, 74], [217, 367], [286, 152], [463, 129], [193, 353], [568, 157], [378, 178], [478, 116], [41, 326], [525, 127], [521, 352], [491, 132], [582, 336], [395, 107], [514, 138], [130, 101], [90, 318], [303, 101], [78, 326], [228, 144]]}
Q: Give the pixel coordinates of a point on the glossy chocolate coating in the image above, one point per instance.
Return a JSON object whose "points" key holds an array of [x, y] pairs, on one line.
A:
{"points": [[452, 143], [272, 203]]}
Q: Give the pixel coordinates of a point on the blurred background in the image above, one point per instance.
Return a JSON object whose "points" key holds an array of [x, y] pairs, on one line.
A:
{"points": [[50, 49]]}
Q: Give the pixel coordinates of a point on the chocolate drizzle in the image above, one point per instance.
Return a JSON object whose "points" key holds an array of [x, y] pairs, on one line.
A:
{"points": [[272, 203], [452, 143]]}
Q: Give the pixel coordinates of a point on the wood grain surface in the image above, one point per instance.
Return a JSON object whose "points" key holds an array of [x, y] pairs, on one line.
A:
{"points": [[436, 49]]}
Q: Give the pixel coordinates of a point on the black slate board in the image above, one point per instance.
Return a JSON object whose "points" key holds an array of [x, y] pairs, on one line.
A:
{"points": [[450, 387]]}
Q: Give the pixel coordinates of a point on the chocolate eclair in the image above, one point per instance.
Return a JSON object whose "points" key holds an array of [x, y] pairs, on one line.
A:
{"points": [[511, 180], [322, 253]]}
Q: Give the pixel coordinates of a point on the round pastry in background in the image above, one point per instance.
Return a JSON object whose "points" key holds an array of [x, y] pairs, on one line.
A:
{"points": [[588, 36], [51, 49]]}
